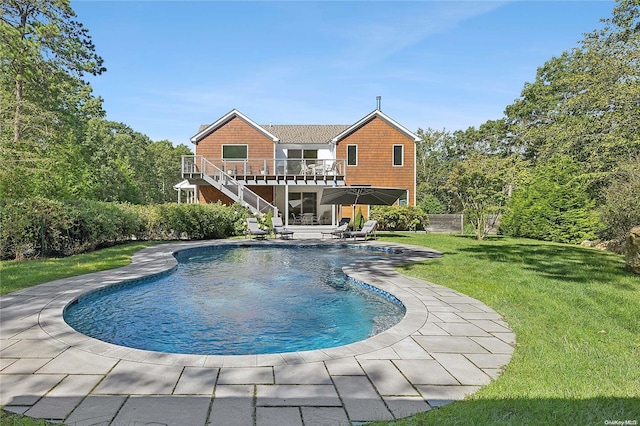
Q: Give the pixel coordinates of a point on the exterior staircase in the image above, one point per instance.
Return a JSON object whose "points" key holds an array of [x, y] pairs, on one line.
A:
{"points": [[198, 170]]}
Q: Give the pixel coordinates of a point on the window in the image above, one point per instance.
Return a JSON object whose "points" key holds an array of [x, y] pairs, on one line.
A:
{"points": [[398, 155], [352, 155], [404, 199], [235, 152]]}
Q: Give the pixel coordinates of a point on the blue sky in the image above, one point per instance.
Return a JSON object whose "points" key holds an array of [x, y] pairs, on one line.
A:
{"points": [[173, 65]]}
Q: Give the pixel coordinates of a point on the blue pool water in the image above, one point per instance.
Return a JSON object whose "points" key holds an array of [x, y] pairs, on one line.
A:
{"points": [[241, 300]]}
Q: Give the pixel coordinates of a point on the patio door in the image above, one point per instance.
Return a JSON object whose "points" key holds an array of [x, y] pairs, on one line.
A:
{"points": [[303, 202]]}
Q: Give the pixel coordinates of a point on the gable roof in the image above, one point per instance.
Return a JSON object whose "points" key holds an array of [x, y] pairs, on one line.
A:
{"points": [[379, 114], [206, 130], [302, 133], [306, 133]]}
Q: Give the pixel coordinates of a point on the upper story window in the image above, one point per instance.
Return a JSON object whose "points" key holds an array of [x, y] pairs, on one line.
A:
{"points": [[306, 154], [398, 155], [352, 155], [235, 152]]}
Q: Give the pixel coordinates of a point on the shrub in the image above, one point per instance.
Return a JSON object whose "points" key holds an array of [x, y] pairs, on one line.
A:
{"points": [[42, 227], [400, 218], [552, 205]]}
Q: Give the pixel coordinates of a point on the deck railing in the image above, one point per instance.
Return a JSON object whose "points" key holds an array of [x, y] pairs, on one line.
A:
{"points": [[198, 167], [271, 167]]}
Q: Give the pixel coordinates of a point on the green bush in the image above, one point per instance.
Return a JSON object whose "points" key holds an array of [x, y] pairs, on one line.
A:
{"points": [[400, 218], [552, 205], [42, 227]]}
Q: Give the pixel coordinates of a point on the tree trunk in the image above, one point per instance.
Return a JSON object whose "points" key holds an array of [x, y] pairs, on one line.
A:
{"points": [[17, 119]]}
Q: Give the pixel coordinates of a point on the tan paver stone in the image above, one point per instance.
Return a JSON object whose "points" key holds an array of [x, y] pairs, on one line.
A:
{"points": [[425, 371], [164, 410], [387, 379], [302, 374], [240, 361], [246, 376], [385, 353], [449, 344], [6, 362], [489, 360], [462, 369], [404, 406], [197, 381], [62, 399], [432, 329], [324, 416], [344, 367], [494, 345], [232, 406], [278, 416], [481, 315], [4, 344], [361, 401], [447, 317], [74, 361], [26, 389], [509, 338], [462, 329], [48, 348], [288, 395], [129, 377], [490, 326], [26, 365], [409, 349], [96, 410], [438, 396]]}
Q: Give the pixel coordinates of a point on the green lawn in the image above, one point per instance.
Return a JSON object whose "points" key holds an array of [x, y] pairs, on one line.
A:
{"points": [[575, 311], [576, 315], [15, 275]]}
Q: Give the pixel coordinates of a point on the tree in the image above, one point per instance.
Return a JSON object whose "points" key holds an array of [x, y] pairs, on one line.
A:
{"points": [[551, 205], [586, 103], [44, 104], [434, 162], [621, 208], [482, 184], [166, 170], [42, 44]]}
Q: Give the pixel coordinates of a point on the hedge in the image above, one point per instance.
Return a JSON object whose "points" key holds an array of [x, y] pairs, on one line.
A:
{"points": [[43, 227], [400, 218]]}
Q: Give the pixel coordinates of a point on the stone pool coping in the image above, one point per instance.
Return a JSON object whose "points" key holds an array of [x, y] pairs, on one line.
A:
{"points": [[446, 347]]}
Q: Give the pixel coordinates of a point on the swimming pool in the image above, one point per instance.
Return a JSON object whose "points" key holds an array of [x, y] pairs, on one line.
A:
{"points": [[231, 300]]}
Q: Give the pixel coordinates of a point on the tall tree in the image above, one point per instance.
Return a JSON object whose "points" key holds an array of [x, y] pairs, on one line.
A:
{"points": [[42, 43], [482, 184], [44, 103], [586, 102]]}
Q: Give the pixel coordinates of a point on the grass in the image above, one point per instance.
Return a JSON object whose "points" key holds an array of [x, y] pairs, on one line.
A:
{"points": [[16, 275], [576, 315], [575, 311]]}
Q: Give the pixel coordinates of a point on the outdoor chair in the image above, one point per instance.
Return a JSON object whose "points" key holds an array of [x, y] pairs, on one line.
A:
{"points": [[279, 228], [254, 229], [368, 229], [337, 232]]}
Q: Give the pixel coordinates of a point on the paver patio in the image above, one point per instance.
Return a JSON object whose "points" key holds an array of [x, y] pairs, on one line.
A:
{"points": [[446, 347]]}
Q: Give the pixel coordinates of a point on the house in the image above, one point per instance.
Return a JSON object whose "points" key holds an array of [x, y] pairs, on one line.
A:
{"points": [[283, 168]]}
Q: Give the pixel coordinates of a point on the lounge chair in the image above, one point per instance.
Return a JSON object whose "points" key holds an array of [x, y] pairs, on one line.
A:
{"points": [[279, 228], [337, 232], [368, 229], [254, 229]]}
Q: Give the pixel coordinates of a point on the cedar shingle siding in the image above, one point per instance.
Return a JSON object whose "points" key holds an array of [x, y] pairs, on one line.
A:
{"points": [[375, 141], [375, 137]]}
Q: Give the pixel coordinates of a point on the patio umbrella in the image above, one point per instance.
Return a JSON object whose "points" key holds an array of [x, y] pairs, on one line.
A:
{"points": [[365, 195]]}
